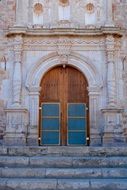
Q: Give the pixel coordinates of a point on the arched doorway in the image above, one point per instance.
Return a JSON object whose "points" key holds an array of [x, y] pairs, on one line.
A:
{"points": [[64, 106]]}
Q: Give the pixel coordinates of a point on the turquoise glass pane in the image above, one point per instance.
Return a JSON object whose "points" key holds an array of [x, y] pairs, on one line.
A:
{"points": [[50, 109], [76, 110], [76, 124], [50, 138], [50, 123], [76, 138]]}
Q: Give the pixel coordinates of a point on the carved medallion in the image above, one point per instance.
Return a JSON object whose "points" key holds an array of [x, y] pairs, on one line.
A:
{"points": [[38, 9], [64, 3], [90, 8]]}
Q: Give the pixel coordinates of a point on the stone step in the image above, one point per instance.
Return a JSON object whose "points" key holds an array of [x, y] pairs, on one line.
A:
{"points": [[62, 151], [62, 184], [62, 162], [63, 173]]}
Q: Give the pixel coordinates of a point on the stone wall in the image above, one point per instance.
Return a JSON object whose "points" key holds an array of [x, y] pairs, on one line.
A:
{"points": [[31, 50]]}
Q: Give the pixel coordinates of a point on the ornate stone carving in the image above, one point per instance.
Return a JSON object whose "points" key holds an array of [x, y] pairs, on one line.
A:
{"points": [[17, 70], [111, 78], [64, 46], [16, 126]]}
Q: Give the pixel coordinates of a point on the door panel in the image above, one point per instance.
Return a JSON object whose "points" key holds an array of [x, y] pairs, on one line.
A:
{"points": [[50, 120], [77, 124], [67, 86]]}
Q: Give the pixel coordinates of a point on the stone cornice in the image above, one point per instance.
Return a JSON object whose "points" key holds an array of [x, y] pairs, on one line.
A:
{"points": [[65, 31]]}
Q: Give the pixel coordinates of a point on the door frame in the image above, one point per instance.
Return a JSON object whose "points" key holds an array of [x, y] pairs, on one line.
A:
{"points": [[87, 113]]}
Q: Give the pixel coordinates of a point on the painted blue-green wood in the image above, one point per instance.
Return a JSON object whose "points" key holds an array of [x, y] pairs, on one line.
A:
{"points": [[50, 132], [76, 110], [50, 123], [77, 124], [76, 138], [50, 109], [50, 138]]}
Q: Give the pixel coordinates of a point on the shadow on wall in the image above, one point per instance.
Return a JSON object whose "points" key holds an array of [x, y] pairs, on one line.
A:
{"points": [[5, 188]]}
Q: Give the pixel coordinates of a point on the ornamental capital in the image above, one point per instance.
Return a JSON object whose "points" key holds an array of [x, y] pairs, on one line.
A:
{"points": [[110, 43]]}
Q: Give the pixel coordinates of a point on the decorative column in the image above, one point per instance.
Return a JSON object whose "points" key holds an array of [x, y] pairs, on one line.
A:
{"points": [[3, 75], [19, 13], [111, 78], [16, 116], [109, 14], [17, 78], [34, 93], [124, 58], [113, 131], [95, 136], [30, 13]]}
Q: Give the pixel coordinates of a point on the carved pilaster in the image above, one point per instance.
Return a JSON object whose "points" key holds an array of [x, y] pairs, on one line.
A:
{"points": [[111, 78], [34, 115], [95, 137], [30, 13], [19, 13], [109, 14], [17, 70]]}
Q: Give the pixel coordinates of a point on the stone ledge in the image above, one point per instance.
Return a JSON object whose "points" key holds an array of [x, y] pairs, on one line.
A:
{"points": [[65, 31]]}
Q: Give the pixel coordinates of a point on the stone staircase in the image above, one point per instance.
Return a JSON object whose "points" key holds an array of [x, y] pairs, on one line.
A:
{"points": [[63, 168]]}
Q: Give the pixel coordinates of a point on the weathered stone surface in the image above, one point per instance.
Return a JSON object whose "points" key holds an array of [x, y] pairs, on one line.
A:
{"points": [[73, 173], [23, 172], [73, 184], [6, 161], [57, 172], [32, 184], [51, 161]]}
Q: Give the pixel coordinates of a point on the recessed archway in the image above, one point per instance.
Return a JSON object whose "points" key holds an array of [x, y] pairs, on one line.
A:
{"points": [[79, 62], [64, 101]]}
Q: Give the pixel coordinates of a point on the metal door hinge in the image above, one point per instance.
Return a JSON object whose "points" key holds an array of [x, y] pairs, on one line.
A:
{"points": [[40, 108]]}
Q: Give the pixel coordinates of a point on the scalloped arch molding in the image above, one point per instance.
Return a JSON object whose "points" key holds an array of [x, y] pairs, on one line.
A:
{"points": [[51, 60]]}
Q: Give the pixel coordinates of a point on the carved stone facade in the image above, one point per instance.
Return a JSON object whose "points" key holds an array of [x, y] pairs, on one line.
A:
{"points": [[87, 35]]}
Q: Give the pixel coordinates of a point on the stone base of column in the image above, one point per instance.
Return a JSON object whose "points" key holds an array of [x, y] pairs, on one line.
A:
{"points": [[113, 139], [32, 140], [113, 129], [95, 138], [16, 126], [12, 139]]}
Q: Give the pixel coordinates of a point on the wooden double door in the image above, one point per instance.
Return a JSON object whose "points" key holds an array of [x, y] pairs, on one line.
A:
{"points": [[64, 107]]}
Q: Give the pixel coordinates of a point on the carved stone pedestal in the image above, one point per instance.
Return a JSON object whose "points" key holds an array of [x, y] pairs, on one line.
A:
{"points": [[113, 130], [32, 138], [125, 124], [95, 138], [16, 126]]}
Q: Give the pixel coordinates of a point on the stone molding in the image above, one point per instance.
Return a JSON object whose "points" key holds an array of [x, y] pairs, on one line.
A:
{"points": [[80, 62], [94, 31]]}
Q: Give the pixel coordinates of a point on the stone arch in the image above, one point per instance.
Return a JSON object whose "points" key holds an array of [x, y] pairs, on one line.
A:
{"points": [[81, 63], [76, 60]]}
